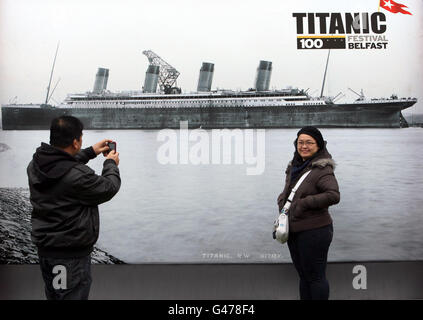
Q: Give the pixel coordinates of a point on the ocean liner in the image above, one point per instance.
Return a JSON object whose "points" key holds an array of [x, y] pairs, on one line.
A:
{"points": [[257, 107]]}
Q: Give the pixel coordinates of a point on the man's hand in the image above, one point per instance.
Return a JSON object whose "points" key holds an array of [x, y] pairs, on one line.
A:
{"points": [[114, 156], [102, 147]]}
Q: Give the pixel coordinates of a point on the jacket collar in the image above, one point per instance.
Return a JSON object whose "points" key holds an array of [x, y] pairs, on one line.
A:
{"points": [[320, 161]]}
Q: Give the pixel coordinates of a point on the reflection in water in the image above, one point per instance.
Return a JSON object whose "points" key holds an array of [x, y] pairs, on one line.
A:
{"points": [[4, 147], [219, 214]]}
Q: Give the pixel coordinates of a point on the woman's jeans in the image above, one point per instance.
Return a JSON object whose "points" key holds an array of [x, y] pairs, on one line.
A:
{"points": [[309, 251]]}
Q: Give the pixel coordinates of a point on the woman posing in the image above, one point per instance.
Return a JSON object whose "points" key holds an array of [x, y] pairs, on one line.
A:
{"points": [[310, 225]]}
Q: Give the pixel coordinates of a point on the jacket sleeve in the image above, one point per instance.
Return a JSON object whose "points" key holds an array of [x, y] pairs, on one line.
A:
{"points": [[92, 189], [85, 155], [328, 193]]}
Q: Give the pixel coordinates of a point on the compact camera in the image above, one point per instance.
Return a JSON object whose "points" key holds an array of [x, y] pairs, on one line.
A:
{"points": [[112, 146]]}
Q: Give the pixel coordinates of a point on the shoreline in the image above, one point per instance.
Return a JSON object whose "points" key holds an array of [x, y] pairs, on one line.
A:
{"points": [[16, 246]]}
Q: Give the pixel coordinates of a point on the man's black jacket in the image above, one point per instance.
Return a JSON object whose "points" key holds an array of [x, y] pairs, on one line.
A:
{"points": [[65, 194]]}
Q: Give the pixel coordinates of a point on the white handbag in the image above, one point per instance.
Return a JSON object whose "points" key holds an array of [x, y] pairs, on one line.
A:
{"points": [[281, 224]]}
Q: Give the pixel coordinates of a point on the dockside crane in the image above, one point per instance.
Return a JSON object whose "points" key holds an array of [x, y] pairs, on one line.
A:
{"points": [[167, 73], [51, 76], [360, 96]]}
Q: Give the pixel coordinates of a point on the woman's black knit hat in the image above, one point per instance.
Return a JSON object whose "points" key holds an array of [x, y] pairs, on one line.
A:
{"points": [[315, 133]]}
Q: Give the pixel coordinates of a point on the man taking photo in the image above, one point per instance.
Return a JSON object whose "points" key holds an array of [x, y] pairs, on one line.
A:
{"points": [[65, 194]]}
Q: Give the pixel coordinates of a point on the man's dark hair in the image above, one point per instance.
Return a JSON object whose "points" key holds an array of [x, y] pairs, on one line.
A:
{"points": [[63, 130]]}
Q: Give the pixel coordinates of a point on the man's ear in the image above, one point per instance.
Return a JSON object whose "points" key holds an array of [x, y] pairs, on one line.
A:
{"points": [[75, 144]]}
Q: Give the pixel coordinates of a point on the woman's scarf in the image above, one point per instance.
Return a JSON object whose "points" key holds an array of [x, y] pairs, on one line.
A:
{"points": [[298, 167], [298, 164]]}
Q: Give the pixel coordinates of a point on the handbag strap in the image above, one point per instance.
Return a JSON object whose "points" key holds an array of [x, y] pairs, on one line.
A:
{"points": [[292, 194]]}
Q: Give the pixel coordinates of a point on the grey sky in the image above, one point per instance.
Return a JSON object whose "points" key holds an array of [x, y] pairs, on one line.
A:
{"points": [[234, 35]]}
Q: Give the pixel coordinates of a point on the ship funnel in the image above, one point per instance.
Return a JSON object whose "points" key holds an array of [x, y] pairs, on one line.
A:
{"points": [[206, 77], [101, 78], [151, 79], [264, 72]]}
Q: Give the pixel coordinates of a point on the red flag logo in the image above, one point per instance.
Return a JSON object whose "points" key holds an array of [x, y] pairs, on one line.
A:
{"points": [[393, 7]]}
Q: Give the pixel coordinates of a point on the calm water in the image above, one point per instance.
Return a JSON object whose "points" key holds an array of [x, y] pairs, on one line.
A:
{"points": [[218, 213]]}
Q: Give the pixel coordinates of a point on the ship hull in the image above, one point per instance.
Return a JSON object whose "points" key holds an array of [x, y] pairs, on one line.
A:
{"points": [[377, 115]]}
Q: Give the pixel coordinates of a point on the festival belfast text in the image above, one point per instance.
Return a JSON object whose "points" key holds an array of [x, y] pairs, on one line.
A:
{"points": [[341, 31]]}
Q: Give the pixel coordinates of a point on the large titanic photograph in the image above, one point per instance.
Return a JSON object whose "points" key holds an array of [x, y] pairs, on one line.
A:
{"points": [[205, 102]]}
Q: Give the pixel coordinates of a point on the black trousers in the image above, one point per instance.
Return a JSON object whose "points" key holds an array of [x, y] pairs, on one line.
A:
{"points": [[66, 279], [309, 252]]}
